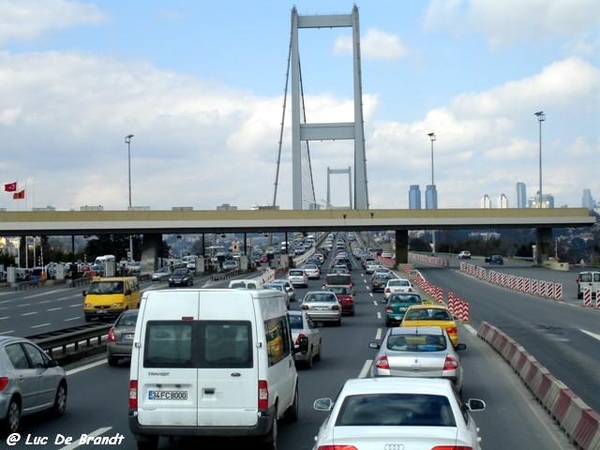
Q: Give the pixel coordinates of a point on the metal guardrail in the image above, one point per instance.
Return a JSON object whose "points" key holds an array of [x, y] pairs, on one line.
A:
{"points": [[72, 343]]}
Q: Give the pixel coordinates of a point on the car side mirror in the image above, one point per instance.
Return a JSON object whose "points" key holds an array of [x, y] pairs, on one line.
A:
{"points": [[461, 347], [84, 293], [374, 345], [475, 404], [323, 404]]}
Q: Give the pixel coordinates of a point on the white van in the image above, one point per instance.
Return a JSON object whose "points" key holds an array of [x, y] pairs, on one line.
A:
{"points": [[212, 362], [588, 280], [245, 284]]}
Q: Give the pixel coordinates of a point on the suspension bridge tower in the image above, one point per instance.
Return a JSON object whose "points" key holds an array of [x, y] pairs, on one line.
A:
{"points": [[328, 131]]}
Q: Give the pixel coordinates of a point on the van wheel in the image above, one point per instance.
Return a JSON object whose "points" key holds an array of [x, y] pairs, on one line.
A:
{"points": [[270, 440], [291, 414]]}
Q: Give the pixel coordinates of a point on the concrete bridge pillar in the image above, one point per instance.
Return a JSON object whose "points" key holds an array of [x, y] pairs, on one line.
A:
{"points": [[151, 245], [401, 247], [543, 244]]}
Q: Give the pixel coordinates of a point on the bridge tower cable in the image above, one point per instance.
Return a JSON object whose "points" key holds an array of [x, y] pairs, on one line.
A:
{"points": [[307, 142]]}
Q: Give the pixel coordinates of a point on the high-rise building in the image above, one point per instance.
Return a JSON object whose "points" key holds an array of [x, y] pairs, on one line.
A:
{"points": [[431, 200], [414, 197], [587, 200], [502, 201], [547, 201], [486, 203], [521, 195]]}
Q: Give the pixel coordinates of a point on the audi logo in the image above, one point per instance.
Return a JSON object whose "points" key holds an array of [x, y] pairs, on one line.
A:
{"points": [[393, 447]]}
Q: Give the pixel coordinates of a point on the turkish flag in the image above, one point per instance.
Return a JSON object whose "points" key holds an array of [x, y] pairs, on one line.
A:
{"points": [[19, 195], [10, 187]]}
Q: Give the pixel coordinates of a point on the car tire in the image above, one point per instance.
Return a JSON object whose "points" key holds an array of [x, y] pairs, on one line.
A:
{"points": [[338, 323], [310, 360], [60, 400], [12, 422], [318, 355], [113, 361]]}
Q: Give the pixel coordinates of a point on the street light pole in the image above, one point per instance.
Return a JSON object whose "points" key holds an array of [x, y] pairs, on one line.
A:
{"points": [[433, 190], [541, 117], [128, 142]]}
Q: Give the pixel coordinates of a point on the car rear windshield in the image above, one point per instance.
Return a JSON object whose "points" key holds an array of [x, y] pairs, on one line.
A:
{"points": [[406, 299], [295, 321], [392, 409], [428, 314], [337, 280], [416, 343], [198, 344]]}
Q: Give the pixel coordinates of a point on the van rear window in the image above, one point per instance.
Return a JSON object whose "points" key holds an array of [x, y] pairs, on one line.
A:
{"points": [[198, 344]]}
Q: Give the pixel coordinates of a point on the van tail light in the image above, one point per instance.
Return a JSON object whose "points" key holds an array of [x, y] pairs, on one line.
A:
{"points": [[111, 335], [337, 447], [263, 396], [133, 395], [450, 363], [382, 363], [3, 383]]}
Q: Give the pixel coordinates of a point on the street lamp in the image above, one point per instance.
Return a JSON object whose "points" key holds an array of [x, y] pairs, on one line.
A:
{"points": [[128, 142], [541, 117], [433, 190]]}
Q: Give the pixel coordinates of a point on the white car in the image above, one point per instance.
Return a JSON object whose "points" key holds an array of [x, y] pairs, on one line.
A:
{"points": [[396, 285], [369, 413], [298, 277], [304, 328], [312, 271]]}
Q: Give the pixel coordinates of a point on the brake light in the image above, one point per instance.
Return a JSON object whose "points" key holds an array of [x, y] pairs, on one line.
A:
{"points": [[450, 363], [304, 307], [382, 363], [133, 395], [452, 447], [337, 447], [388, 290], [335, 307], [299, 338], [111, 335], [389, 309], [452, 331], [263, 396], [3, 383]]}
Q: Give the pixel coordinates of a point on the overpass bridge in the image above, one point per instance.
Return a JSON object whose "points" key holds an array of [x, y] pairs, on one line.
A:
{"points": [[153, 224]]}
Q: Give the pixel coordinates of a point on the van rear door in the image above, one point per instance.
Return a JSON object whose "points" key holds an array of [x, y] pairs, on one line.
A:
{"points": [[228, 373], [167, 378]]}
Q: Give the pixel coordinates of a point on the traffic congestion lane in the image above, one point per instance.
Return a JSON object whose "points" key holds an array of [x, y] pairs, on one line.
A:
{"points": [[98, 395], [562, 337]]}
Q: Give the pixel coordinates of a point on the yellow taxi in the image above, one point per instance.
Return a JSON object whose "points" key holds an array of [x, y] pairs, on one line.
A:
{"points": [[432, 315]]}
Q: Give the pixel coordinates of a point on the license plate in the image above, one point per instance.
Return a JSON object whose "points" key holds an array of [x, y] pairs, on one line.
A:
{"points": [[167, 395], [128, 337], [321, 308]]}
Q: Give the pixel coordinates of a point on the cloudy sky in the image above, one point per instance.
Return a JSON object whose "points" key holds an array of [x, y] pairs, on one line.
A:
{"points": [[201, 87]]}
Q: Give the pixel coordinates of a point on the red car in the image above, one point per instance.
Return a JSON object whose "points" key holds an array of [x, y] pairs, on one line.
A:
{"points": [[345, 297]]}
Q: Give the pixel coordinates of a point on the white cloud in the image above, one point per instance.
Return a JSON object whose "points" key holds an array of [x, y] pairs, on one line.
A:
{"points": [[506, 22], [20, 20], [375, 44]]}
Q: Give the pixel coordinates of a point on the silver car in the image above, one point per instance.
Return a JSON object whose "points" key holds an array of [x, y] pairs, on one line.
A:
{"points": [[120, 337], [322, 306], [303, 327], [30, 382], [382, 413], [289, 287], [425, 352]]}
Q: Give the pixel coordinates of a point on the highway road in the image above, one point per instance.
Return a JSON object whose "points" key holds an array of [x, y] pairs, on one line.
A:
{"points": [[97, 403]]}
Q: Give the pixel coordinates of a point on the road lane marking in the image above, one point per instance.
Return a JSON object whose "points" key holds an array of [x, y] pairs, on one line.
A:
{"points": [[23, 305], [5, 317], [29, 313], [590, 334], [7, 332], [365, 368], [41, 294], [41, 325], [54, 309], [470, 329], [378, 334], [71, 318], [86, 367], [379, 315], [94, 433]]}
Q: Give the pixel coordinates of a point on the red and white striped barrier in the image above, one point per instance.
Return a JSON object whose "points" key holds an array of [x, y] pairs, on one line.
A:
{"points": [[580, 422], [587, 297]]}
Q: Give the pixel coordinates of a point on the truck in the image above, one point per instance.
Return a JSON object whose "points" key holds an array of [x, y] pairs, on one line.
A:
{"points": [[109, 263]]}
